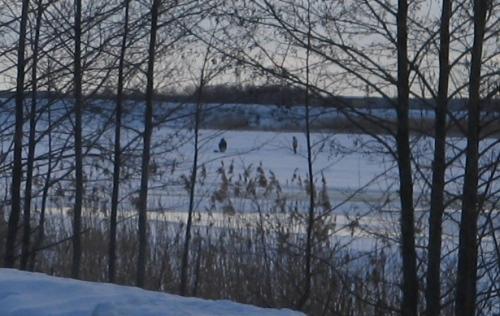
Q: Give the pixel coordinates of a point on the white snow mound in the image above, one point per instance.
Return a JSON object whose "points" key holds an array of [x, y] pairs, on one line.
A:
{"points": [[30, 294]]}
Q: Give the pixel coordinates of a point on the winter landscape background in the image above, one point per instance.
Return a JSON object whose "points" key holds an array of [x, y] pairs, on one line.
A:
{"points": [[328, 157]]}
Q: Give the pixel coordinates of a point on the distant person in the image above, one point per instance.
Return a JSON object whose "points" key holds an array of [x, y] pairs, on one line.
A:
{"points": [[294, 144], [222, 145]]}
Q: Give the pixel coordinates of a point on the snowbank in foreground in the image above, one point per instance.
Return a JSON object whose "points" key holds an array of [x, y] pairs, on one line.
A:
{"points": [[27, 294]]}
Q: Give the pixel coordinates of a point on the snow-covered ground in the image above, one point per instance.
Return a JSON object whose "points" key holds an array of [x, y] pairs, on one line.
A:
{"points": [[360, 176], [35, 294]]}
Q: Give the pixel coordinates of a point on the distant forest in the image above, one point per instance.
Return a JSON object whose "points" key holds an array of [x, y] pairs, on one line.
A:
{"points": [[269, 94]]}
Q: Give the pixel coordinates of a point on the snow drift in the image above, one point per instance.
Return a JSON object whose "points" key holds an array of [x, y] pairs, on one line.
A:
{"points": [[27, 294]]}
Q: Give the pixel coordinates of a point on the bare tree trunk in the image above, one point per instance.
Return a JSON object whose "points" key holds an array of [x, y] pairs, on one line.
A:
{"points": [[310, 219], [465, 301], [45, 193], [117, 152], [31, 144], [77, 214], [192, 184], [410, 281], [432, 291], [197, 273], [17, 171], [148, 128]]}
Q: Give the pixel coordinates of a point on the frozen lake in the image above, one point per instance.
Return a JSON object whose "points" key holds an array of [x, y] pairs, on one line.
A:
{"points": [[355, 176]]}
